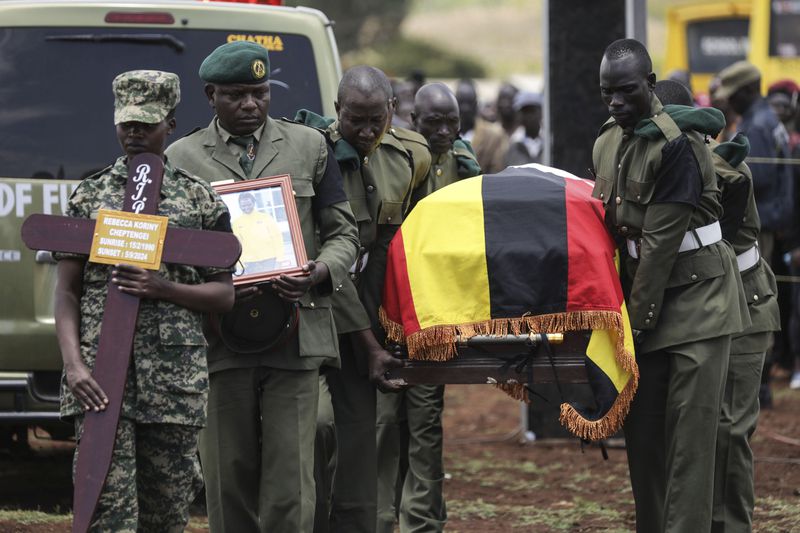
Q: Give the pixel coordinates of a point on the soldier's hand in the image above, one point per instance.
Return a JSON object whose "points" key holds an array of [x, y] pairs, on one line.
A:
{"points": [[291, 288], [243, 294], [84, 387], [138, 281], [380, 362]]}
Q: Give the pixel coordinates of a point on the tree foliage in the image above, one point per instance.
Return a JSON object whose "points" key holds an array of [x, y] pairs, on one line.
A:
{"points": [[361, 23]]}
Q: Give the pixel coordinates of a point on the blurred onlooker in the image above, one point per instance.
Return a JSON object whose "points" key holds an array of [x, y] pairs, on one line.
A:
{"points": [[740, 85], [489, 140], [417, 79], [526, 145], [782, 96], [731, 118], [504, 107], [403, 103], [683, 77]]}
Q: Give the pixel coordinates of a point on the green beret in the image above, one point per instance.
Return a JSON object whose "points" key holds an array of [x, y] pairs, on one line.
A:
{"points": [[236, 62], [145, 96]]}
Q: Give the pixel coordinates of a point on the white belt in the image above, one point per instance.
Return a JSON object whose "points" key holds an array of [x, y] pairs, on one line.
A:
{"points": [[749, 259], [707, 235]]}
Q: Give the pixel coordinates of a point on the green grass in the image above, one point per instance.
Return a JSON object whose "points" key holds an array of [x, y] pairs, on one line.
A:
{"points": [[32, 517]]}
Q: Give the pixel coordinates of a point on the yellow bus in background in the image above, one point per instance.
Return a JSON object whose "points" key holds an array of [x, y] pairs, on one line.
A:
{"points": [[705, 37]]}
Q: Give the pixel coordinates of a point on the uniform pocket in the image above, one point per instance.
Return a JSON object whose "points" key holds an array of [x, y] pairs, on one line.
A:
{"points": [[179, 326], [757, 286], [602, 188], [640, 192], [316, 330], [695, 268], [391, 212]]}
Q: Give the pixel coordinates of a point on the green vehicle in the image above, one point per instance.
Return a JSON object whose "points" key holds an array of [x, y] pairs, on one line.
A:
{"points": [[57, 60]]}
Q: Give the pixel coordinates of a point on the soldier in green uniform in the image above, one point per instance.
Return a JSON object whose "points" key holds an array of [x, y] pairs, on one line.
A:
{"points": [[733, 473], [154, 474], [256, 451], [380, 168], [417, 411], [683, 291]]}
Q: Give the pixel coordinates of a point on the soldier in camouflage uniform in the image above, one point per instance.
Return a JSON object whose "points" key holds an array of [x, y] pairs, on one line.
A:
{"points": [[417, 411], [154, 473]]}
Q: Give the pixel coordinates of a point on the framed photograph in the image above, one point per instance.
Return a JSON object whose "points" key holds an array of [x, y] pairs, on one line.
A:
{"points": [[264, 218]]}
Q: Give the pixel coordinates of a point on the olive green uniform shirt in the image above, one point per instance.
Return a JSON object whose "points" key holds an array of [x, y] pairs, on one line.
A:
{"points": [[329, 235], [673, 297], [759, 284], [378, 186]]}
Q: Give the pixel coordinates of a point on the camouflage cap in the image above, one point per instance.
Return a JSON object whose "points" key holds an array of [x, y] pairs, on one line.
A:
{"points": [[145, 96], [236, 62]]}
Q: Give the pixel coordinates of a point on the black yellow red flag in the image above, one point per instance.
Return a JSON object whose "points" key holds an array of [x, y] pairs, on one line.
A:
{"points": [[522, 251]]}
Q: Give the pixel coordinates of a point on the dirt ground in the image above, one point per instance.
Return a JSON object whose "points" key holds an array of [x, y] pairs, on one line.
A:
{"points": [[494, 482]]}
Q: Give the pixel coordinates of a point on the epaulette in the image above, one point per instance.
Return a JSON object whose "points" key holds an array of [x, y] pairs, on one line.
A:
{"points": [[407, 136]]}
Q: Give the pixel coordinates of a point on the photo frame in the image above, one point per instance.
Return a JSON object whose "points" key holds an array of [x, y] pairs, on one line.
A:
{"points": [[264, 219]]}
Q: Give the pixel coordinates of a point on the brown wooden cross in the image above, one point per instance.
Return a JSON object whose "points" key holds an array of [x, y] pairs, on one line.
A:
{"points": [[181, 246]]}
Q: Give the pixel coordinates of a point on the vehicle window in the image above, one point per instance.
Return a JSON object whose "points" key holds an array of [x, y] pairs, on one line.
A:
{"points": [[784, 35], [715, 44], [56, 104]]}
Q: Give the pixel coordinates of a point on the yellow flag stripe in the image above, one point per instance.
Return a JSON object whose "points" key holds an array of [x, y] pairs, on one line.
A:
{"points": [[462, 294], [601, 348]]}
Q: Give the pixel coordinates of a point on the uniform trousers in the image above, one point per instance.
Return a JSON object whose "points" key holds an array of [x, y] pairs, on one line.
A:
{"points": [[256, 450], [417, 410], [671, 434], [353, 508], [734, 496], [153, 478], [324, 457]]}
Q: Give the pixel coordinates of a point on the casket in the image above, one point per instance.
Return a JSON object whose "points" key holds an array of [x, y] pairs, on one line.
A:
{"points": [[512, 278]]}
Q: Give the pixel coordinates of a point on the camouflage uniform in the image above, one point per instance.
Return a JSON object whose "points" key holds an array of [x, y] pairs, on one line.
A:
{"points": [[164, 404]]}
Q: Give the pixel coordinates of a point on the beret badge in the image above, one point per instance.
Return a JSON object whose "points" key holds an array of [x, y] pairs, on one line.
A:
{"points": [[259, 69]]}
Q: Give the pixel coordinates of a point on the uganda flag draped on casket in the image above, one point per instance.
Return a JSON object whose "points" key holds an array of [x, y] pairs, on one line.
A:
{"points": [[522, 251]]}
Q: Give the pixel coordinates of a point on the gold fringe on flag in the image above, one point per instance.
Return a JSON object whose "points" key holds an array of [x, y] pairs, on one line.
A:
{"points": [[438, 343]]}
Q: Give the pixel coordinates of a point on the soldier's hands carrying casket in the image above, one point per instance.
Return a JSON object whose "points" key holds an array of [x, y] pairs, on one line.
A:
{"points": [[84, 387], [291, 288], [380, 363]]}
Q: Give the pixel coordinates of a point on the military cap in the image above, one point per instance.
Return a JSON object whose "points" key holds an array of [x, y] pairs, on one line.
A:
{"points": [[736, 76], [145, 96], [236, 62]]}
